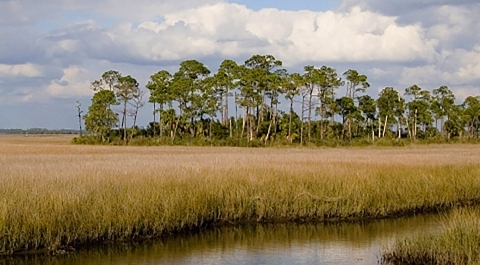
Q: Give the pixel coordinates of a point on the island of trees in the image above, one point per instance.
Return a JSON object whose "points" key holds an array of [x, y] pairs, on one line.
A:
{"points": [[272, 106]]}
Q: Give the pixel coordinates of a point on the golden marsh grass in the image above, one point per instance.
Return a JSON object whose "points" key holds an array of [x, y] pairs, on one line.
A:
{"points": [[457, 243], [54, 194]]}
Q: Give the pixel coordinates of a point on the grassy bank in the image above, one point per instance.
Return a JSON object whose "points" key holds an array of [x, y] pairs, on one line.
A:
{"points": [[56, 195], [458, 242], [226, 241]]}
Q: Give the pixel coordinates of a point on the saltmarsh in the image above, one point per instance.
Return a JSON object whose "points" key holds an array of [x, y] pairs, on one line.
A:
{"points": [[55, 195], [458, 242]]}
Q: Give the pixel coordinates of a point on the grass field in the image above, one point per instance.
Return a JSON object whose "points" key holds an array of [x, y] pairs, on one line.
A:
{"points": [[55, 195]]}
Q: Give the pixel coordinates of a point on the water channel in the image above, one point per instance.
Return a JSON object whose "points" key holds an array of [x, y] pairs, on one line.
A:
{"points": [[341, 243]]}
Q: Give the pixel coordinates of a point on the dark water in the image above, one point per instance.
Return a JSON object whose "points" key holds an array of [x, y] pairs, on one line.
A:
{"points": [[346, 243]]}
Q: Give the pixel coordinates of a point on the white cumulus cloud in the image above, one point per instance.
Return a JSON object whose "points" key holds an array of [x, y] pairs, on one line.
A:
{"points": [[20, 70], [74, 83], [231, 30]]}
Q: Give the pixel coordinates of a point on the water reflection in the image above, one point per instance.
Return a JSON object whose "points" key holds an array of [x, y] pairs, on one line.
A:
{"points": [[345, 243]]}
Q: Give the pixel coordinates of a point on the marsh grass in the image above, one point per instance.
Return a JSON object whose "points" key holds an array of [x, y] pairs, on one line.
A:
{"points": [[56, 195], [228, 240], [458, 242]]}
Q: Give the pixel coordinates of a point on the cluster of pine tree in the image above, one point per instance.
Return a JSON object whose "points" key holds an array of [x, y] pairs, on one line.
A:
{"points": [[195, 105]]}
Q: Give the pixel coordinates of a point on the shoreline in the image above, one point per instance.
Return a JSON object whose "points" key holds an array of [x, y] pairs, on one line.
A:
{"points": [[62, 250]]}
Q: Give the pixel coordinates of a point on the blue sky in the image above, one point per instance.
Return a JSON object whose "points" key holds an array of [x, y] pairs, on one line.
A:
{"points": [[51, 51]]}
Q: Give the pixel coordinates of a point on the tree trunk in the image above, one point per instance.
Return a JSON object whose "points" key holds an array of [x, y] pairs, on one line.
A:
{"points": [[290, 121], [321, 119], [385, 127], [258, 118], [270, 124], [441, 127], [321, 129], [222, 107], [379, 127], [310, 115], [476, 126], [332, 118], [80, 120], [303, 113], [244, 122], [160, 122], [154, 118], [236, 109], [373, 134], [124, 122], [210, 128], [192, 127], [250, 122], [355, 129], [349, 129], [226, 109], [173, 131], [470, 130], [399, 129], [366, 128], [268, 132], [134, 122], [260, 115], [415, 126], [275, 111], [410, 131]]}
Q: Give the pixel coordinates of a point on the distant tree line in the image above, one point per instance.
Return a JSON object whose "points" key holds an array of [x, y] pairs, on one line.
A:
{"points": [[38, 131], [193, 104]]}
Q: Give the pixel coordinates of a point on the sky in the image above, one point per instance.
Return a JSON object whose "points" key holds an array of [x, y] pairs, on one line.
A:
{"points": [[50, 51]]}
